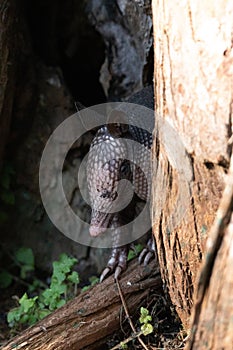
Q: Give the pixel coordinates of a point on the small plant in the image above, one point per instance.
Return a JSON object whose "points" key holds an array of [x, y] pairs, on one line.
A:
{"points": [[28, 312], [93, 280], [146, 329], [145, 319], [23, 259], [134, 252], [63, 282]]}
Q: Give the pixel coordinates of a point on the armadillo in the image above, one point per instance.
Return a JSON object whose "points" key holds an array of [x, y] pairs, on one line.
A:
{"points": [[104, 175]]}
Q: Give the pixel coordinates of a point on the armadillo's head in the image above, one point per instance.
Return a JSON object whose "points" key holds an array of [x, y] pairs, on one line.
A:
{"points": [[106, 168]]}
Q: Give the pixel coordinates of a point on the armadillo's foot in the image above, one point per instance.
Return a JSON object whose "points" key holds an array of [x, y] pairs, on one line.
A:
{"points": [[117, 262], [148, 252]]}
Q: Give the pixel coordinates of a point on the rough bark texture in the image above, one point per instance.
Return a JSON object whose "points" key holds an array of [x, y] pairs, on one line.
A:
{"points": [[193, 92], [86, 321], [212, 325]]}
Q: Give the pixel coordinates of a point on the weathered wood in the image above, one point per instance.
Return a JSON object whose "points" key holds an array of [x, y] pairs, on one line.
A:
{"points": [[212, 326], [193, 94], [91, 316]]}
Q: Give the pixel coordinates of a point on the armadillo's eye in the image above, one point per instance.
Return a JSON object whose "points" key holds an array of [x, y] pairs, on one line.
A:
{"points": [[105, 194]]}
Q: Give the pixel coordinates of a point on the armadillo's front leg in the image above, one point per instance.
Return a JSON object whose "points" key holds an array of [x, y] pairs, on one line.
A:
{"points": [[148, 252], [117, 262], [118, 259]]}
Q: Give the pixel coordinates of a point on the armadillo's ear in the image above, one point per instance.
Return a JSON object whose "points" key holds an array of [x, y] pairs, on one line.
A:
{"points": [[79, 106], [117, 123]]}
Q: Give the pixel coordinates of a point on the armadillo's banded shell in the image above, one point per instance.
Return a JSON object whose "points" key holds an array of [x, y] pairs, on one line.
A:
{"points": [[116, 153], [107, 164], [142, 161]]}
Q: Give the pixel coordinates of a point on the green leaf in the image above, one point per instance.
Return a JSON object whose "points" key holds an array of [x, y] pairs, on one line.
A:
{"points": [[32, 319], [5, 279], [85, 288], [24, 271], [43, 313], [25, 256], [62, 267], [24, 318], [65, 263], [58, 276], [134, 252], [145, 317], [59, 289], [61, 303], [146, 329], [47, 296], [93, 280], [31, 310], [36, 284], [67, 260], [27, 303], [74, 277], [51, 297], [12, 316]]}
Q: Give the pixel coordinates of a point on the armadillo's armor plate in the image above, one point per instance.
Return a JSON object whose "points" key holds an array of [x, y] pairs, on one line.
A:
{"points": [[107, 165]]}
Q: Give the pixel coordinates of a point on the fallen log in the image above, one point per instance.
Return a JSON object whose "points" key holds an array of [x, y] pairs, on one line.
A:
{"points": [[88, 319]]}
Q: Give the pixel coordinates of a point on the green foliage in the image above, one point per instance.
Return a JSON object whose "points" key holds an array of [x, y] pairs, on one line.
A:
{"points": [[144, 319], [5, 279], [63, 280], [26, 261], [146, 328], [28, 312], [23, 258], [134, 252], [93, 280]]}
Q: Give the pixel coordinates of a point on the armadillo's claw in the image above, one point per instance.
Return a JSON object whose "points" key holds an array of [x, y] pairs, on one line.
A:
{"points": [[104, 274], [147, 253], [117, 272], [117, 262]]}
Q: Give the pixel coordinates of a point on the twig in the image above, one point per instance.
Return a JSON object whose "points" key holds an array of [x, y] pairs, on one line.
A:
{"points": [[128, 317], [127, 340]]}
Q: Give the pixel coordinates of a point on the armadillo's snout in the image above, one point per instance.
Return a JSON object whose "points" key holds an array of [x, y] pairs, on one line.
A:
{"points": [[99, 223], [96, 230]]}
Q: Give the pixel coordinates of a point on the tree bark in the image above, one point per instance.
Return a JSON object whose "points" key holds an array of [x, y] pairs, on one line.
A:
{"points": [[86, 321], [212, 326], [193, 94], [7, 70]]}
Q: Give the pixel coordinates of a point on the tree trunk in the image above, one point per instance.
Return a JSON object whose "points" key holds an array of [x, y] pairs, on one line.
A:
{"points": [[7, 70], [193, 93], [86, 321], [212, 326]]}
